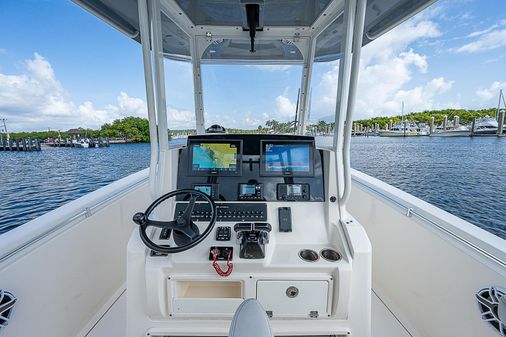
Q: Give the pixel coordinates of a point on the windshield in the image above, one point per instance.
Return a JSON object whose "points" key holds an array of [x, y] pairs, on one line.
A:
{"points": [[256, 97]]}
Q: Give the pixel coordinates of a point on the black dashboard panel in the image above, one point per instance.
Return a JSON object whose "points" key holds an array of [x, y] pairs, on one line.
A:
{"points": [[228, 187]]}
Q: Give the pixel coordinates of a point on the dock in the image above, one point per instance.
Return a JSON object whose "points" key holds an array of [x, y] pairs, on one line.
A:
{"points": [[93, 142], [26, 144]]}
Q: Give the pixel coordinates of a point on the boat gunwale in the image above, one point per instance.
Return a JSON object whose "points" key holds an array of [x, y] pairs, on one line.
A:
{"points": [[82, 208], [462, 231]]}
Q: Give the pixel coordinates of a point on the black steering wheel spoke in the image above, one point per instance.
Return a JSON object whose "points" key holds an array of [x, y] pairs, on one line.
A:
{"points": [[187, 213], [186, 232]]}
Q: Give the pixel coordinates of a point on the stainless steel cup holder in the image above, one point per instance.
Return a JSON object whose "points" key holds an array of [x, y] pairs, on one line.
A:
{"points": [[308, 255], [330, 255]]}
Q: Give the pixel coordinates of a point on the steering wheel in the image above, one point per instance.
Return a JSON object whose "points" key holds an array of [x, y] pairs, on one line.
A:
{"points": [[186, 233]]}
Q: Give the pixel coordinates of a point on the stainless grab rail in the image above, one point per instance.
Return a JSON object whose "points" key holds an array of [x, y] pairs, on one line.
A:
{"points": [[86, 212], [410, 211]]}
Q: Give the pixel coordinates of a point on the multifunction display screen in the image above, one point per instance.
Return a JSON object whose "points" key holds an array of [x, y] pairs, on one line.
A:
{"points": [[207, 189], [287, 158], [247, 189], [294, 190], [215, 158]]}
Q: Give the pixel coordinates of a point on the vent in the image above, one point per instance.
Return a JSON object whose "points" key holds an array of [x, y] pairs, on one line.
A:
{"points": [[492, 303], [7, 301]]}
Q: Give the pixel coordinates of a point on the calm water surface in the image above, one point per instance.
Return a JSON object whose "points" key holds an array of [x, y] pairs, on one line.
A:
{"points": [[33, 183], [464, 176]]}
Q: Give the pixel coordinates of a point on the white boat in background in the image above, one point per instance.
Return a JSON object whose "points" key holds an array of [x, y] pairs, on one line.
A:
{"points": [[486, 126], [400, 129], [83, 143], [423, 129], [285, 238], [451, 131]]}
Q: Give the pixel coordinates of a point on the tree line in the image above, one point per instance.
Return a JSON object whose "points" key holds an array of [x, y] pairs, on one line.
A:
{"points": [[466, 117], [132, 129], [136, 129]]}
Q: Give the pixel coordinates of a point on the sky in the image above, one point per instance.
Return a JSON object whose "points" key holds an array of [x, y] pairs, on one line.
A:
{"points": [[61, 67]]}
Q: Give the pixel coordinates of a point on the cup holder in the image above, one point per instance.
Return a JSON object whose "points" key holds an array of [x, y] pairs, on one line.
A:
{"points": [[330, 255], [308, 255]]}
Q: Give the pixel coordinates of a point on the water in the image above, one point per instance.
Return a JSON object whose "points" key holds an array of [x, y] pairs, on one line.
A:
{"points": [[33, 183], [464, 176]]}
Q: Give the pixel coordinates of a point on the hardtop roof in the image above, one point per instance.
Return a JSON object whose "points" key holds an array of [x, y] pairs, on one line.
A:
{"points": [[283, 32]]}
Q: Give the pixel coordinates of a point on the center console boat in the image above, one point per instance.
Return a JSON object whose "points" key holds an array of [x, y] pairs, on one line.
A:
{"points": [[251, 234], [250, 216]]}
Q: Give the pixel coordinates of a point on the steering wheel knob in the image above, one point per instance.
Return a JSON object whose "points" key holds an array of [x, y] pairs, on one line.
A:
{"points": [[139, 218]]}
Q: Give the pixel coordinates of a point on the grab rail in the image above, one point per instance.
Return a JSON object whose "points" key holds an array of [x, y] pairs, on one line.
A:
{"points": [[410, 211], [86, 212]]}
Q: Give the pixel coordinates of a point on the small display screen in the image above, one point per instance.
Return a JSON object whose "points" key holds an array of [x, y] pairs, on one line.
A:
{"points": [[294, 190], [248, 189], [207, 189], [215, 158], [287, 158]]}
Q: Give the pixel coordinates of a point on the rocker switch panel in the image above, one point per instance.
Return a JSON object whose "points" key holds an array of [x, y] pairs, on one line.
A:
{"points": [[223, 233], [285, 219]]}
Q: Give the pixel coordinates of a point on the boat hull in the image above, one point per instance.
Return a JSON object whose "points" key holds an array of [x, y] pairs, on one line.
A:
{"points": [[451, 134], [397, 134]]}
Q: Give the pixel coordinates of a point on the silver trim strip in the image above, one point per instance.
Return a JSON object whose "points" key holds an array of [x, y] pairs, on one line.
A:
{"points": [[86, 212], [410, 211]]}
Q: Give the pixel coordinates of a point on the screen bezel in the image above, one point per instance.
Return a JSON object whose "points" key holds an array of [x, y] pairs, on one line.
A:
{"points": [[265, 173], [211, 172]]}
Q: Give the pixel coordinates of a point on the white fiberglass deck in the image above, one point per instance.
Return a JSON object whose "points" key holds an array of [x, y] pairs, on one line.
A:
{"points": [[113, 323]]}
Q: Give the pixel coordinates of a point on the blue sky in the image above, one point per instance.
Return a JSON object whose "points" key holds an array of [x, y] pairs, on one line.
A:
{"points": [[61, 67]]}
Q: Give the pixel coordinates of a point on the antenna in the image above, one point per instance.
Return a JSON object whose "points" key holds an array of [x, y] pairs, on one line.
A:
{"points": [[501, 98], [296, 113]]}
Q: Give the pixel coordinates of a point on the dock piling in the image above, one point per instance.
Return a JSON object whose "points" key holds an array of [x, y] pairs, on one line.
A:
{"points": [[500, 127], [473, 127]]}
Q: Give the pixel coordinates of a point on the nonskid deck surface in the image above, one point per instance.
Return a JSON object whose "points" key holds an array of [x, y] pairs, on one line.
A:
{"points": [[113, 323]]}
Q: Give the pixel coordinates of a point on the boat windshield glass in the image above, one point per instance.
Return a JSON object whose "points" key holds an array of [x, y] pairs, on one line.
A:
{"points": [[260, 98], [179, 96]]}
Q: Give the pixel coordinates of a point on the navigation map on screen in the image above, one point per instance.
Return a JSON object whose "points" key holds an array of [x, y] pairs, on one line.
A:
{"points": [[287, 158], [214, 157]]}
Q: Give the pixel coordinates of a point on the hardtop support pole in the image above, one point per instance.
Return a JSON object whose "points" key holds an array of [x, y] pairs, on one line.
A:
{"points": [[150, 94], [197, 87], [358, 33], [343, 84], [304, 88], [164, 160], [159, 75]]}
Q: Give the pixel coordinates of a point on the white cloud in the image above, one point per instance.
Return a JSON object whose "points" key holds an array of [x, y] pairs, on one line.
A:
{"points": [[488, 39], [273, 67], [387, 67], [180, 119], [484, 31], [492, 91], [132, 106], [36, 100], [284, 107]]}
